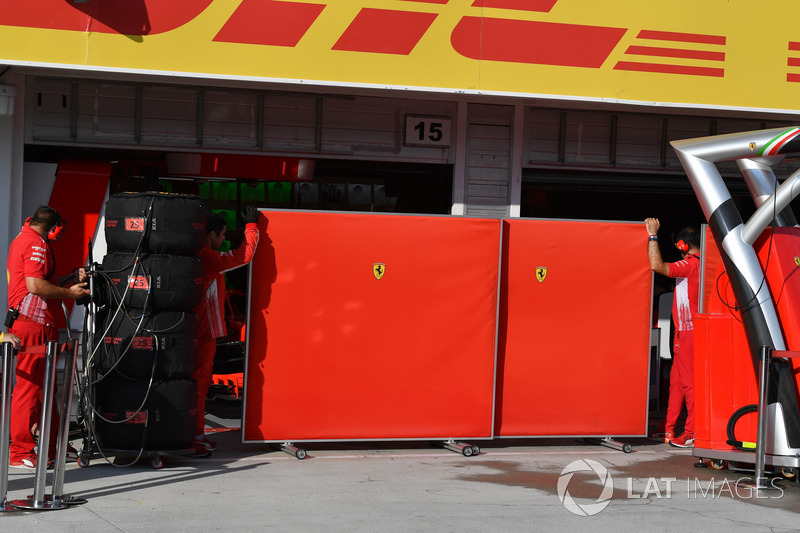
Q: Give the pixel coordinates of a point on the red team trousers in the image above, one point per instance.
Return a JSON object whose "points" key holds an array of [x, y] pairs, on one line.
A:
{"points": [[26, 400], [681, 381], [203, 375]]}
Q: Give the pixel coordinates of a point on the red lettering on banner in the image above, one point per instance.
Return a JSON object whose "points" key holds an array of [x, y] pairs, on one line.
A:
{"points": [[523, 5], [670, 69], [385, 31], [793, 77], [541, 43], [657, 51], [711, 61], [133, 17], [390, 31], [269, 22], [681, 37]]}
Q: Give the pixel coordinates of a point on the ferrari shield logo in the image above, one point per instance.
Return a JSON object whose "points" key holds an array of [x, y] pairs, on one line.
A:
{"points": [[378, 269], [541, 273], [752, 146], [797, 261]]}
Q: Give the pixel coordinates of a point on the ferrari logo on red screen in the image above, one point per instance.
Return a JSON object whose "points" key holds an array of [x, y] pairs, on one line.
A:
{"points": [[541, 273], [378, 269]]}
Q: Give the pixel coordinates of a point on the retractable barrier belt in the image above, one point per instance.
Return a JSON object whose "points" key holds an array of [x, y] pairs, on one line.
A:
{"points": [[66, 347], [786, 353], [32, 349]]}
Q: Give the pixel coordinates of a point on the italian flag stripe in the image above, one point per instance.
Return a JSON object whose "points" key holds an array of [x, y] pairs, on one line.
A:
{"points": [[772, 147]]}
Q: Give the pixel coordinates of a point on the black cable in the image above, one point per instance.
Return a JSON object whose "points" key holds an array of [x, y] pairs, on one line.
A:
{"points": [[108, 323], [746, 305], [731, 429]]}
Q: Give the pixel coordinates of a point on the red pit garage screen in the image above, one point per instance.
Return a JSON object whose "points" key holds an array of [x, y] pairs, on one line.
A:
{"points": [[366, 326], [574, 329]]}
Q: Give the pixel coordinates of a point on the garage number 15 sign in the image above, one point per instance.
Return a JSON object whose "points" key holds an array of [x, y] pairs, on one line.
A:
{"points": [[428, 131]]}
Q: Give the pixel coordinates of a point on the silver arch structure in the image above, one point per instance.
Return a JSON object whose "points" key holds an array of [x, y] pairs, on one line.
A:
{"points": [[699, 158], [774, 210], [756, 154], [761, 183]]}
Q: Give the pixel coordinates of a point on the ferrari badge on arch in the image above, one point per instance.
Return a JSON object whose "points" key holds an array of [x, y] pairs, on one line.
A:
{"points": [[379, 269], [797, 261], [541, 273]]}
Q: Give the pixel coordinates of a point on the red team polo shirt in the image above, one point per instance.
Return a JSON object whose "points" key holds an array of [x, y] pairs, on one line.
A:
{"points": [[684, 303], [211, 311], [29, 256]]}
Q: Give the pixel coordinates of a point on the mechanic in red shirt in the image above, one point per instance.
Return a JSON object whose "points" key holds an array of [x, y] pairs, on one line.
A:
{"points": [[684, 306], [32, 297], [211, 310]]}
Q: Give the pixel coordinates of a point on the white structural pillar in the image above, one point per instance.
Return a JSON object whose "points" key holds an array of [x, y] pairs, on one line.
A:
{"points": [[11, 158], [517, 147], [460, 162]]}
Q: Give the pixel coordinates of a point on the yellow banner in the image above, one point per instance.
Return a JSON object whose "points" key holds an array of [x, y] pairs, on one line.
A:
{"points": [[684, 52]]}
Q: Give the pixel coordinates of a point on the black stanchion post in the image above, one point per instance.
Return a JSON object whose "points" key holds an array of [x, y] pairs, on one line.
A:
{"points": [[5, 423], [38, 502], [62, 443], [760, 483], [761, 437]]}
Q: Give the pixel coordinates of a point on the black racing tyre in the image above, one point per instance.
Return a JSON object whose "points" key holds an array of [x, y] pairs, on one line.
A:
{"points": [[155, 222], [136, 416], [167, 282], [164, 345]]}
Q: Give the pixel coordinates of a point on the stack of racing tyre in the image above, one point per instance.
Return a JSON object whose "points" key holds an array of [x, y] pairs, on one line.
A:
{"points": [[149, 283]]}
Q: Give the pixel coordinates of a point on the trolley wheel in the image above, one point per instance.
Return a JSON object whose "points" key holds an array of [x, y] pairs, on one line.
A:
{"points": [[83, 461], [468, 451], [300, 453], [789, 472], [157, 462], [476, 450], [717, 464], [627, 448]]}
